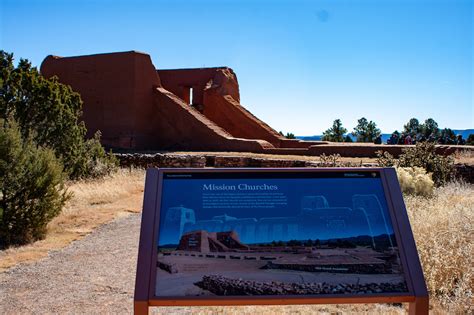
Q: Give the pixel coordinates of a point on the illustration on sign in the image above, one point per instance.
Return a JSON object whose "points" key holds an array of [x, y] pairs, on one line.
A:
{"points": [[276, 236]]}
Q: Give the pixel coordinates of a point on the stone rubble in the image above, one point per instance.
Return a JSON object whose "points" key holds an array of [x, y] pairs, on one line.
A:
{"points": [[221, 285]]}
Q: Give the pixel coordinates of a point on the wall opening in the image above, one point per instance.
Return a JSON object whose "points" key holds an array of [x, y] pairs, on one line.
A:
{"points": [[185, 94], [190, 96]]}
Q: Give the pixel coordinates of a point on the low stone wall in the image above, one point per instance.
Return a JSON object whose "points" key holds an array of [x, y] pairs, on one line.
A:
{"points": [[198, 161], [463, 171], [220, 285], [160, 160]]}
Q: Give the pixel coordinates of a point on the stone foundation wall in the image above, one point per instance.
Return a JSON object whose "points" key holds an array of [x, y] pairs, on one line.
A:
{"points": [[463, 171], [160, 160]]}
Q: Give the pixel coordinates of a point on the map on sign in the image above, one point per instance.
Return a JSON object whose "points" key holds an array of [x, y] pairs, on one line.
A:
{"points": [[280, 233]]}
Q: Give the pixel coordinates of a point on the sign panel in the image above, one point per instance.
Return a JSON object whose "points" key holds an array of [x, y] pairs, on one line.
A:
{"points": [[269, 236]]}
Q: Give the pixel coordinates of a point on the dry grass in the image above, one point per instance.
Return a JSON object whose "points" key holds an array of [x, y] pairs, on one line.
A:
{"points": [[443, 227], [415, 181], [464, 157], [94, 202]]}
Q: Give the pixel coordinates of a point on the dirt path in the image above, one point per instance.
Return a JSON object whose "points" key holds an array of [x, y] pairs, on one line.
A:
{"points": [[94, 274]]}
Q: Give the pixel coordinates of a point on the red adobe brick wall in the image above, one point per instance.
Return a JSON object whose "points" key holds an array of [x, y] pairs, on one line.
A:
{"points": [[117, 90], [179, 81], [124, 99], [216, 95]]}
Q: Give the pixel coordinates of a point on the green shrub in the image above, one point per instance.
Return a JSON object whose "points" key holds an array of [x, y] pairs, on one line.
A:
{"points": [[422, 155], [31, 190], [99, 163], [415, 181], [470, 139], [49, 112], [385, 159]]}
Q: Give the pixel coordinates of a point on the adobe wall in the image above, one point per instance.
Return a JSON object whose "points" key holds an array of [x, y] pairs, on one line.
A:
{"points": [[179, 81], [216, 95], [181, 127], [124, 99], [117, 93], [227, 112]]}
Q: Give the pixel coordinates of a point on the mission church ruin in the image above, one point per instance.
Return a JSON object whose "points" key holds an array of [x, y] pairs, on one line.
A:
{"points": [[138, 107]]}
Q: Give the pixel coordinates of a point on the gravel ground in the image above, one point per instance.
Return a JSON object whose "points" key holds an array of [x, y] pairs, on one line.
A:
{"points": [[90, 276]]}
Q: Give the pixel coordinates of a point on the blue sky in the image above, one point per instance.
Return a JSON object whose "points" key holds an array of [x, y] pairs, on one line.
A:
{"points": [[300, 64]]}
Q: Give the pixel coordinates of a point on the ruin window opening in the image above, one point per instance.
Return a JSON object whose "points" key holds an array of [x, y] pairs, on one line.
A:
{"points": [[191, 96]]}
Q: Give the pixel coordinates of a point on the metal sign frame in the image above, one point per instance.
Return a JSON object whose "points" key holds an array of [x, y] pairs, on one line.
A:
{"points": [[417, 295]]}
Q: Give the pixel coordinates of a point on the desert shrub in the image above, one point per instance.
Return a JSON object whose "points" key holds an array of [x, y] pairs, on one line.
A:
{"points": [[329, 160], [443, 229], [385, 159], [99, 163], [415, 181], [422, 155], [31, 190], [49, 112]]}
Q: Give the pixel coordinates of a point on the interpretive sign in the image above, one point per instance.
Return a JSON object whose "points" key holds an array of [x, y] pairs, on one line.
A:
{"points": [[276, 236]]}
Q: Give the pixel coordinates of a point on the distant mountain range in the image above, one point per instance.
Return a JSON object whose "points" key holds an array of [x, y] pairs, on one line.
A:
{"points": [[465, 133]]}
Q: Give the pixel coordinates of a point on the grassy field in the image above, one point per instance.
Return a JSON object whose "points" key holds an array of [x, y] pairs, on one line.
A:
{"points": [[443, 226]]}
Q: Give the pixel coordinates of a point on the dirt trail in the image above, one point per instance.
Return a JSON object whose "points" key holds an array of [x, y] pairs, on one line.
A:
{"points": [[94, 274]]}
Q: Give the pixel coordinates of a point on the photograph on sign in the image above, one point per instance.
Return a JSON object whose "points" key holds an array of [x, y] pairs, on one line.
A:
{"points": [[276, 234]]}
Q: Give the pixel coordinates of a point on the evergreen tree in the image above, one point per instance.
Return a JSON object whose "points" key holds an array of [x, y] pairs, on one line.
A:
{"points": [[31, 190], [366, 131], [470, 139], [412, 128], [49, 112], [447, 135], [430, 128], [335, 133]]}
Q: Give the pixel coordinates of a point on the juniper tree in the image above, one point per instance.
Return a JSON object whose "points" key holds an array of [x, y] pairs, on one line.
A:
{"points": [[366, 131], [31, 188], [50, 113], [335, 133]]}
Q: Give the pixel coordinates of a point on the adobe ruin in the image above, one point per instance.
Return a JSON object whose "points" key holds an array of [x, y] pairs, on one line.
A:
{"points": [[206, 242], [137, 107]]}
